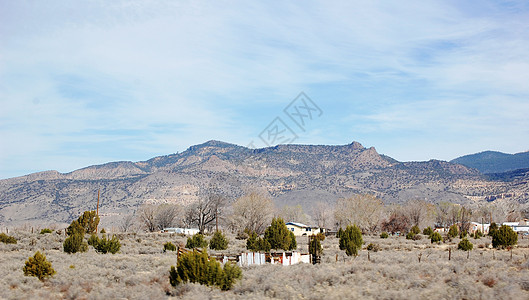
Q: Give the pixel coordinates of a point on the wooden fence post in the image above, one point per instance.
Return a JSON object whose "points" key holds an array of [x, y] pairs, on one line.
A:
{"points": [[449, 253]]}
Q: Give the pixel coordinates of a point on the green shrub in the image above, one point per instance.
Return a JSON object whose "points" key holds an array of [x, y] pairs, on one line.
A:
{"points": [[108, 245], [74, 243], [278, 235], [169, 247], [7, 239], [373, 247], [493, 227], [103, 230], [38, 266], [46, 230], [504, 237], [198, 268], [320, 236], [196, 241], [453, 231], [256, 243], [436, 237], [351, 240], [410, 235], [415, 229], [427, 231], [478, 234], [218, 241], [93, 240], [384, 235], [315, 248], [465, 245], [293, 241], [463, 234]]}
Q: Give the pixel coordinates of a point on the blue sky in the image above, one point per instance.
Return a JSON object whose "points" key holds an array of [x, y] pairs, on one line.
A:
{"points": [[88, 82]]}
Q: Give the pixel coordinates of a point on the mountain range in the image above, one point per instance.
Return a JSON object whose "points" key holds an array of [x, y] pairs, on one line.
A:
{"points": [[494, 161], [290, 174]]}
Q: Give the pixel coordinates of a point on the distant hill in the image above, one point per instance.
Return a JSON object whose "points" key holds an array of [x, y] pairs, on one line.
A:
{"points": [[494, 162], [290, 174]]}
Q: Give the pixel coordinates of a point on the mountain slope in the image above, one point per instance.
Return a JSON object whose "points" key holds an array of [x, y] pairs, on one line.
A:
{"points": [[494, 162], [297, 174]]}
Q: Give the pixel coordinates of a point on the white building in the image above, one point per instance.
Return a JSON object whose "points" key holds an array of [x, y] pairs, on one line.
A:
{"points": [[301, 229], [475, 226], [186, 231], [518, 226]]}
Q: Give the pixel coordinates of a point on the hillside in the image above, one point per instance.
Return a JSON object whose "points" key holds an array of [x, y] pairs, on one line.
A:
{"points": [[494, 162], [293, 174]]}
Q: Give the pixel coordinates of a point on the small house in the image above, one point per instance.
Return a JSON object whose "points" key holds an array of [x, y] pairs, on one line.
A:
{"points": [[475, 226], [301, 229], [518, 226]]}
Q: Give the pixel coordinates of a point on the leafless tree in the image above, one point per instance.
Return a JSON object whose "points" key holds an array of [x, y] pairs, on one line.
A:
{"points": [[207, 209], [166, 215], [397, 222], [251, 212], [147, 216], [322, 214], [363, 210], [419, 212], [127, 223], [293, 214]]}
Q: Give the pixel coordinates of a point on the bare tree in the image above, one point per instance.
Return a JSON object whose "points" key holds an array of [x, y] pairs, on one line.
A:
{"points": [[127, 223], [166, 215], [322, 214], [419, 212], [363, 210], [251, 212], [147, 216], [206, 210], [397, 221], [293, 214]]}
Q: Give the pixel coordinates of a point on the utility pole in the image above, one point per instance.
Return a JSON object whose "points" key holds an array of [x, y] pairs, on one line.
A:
{"points": [[97, 209]]}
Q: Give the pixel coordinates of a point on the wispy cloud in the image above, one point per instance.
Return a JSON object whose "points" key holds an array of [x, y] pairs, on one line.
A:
{"points": [[94, 81]]}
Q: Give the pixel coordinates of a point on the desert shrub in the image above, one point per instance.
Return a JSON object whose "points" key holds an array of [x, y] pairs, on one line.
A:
{"points": [[410, 235], [453, 231], [436, 237], [339, 233], [7, 239], [46, 230], [278, 235], [463, 234], [492, 228], [465, 245], [351, 240], [169, 247], [373, 247], [103, 230], [256, 243], [38, 266], [504, 237], [315, 248], [427, 231], [74, 243], [198, 268], [415, 229], [384, 235], [320, 236], [478, 234], [93, 240], [196, 241], [242, 235], [108, 245], [218, 241], [293, 241]]}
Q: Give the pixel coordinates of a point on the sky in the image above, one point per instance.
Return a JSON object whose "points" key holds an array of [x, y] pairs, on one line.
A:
{"points": [[89, 82]]}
